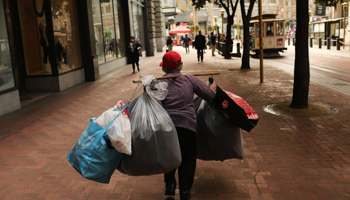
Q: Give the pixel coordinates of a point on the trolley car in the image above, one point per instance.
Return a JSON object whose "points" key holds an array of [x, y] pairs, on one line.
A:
{"points": [[274, 35]]}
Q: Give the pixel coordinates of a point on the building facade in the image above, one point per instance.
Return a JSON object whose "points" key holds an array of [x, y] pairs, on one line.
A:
{"points": [[53, 45]]}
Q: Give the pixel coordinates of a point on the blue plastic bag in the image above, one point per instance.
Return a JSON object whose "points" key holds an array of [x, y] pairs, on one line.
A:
{"points": [[91, 156]]}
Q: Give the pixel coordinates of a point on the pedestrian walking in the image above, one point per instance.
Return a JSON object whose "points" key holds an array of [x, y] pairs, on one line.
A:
{"points": [[169, 44], [135, 50], [187, 40], [179, 104], [213, 43], [209, 42], [200, 45]]}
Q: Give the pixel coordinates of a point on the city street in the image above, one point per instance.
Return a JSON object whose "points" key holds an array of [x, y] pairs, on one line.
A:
{"points": [[285, 157]]}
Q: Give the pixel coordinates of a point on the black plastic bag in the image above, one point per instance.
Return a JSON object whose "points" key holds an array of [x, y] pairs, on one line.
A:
{"points": [[217, 138]]}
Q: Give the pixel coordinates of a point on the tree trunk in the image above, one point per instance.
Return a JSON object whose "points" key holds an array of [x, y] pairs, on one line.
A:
{"points": [[302, 65], [246, 47], [246, 16], [228, 42]]}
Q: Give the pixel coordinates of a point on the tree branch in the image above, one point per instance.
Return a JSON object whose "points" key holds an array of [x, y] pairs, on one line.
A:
{"points": [[250, 9], [225, 7]]}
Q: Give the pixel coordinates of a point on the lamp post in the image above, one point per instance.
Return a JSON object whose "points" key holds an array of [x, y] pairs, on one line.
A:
{"points": [[194, 15], [345, 6], [222, 11], [211, 8], [216, 24]]}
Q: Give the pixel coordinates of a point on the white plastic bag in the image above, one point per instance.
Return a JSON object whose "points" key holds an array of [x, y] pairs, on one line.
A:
{"points": [[119, 133], [155, 89]]}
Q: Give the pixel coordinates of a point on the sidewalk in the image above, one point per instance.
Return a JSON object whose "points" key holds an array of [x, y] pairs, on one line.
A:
{"points": [[285, 157]]}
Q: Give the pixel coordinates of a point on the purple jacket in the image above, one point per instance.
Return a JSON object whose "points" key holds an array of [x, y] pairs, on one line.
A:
{"points": [[179, 101]]}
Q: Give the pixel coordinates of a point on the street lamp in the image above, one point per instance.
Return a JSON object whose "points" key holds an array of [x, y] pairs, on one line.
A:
{"points": [[345, 6], [222, 11]]}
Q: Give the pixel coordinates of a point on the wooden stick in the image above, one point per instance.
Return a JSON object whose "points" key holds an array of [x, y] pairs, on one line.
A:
{"points": [[195, 74]]}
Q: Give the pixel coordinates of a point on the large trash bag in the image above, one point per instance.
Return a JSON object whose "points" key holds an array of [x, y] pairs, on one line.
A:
{"points": [[217, 138], [236, 110], [155, 145], [91, 157]]}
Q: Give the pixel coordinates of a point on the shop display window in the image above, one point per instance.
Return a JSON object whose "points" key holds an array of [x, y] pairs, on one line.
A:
{"points": [[66, 34], [6, 69], [36, 37], [109, 39], [137, 18], [108, 27], [119, 26], [96, 12]]}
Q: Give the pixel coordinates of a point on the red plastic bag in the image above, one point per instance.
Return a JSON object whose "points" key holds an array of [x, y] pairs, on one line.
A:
{"points": [[236, 110]]}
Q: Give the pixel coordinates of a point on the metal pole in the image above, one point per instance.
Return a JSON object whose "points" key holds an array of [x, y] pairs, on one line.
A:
{"points": [[238, 24], [222, 27], [261, 43], [284, 9], [194, 16], [212, 17], [344, 11]]}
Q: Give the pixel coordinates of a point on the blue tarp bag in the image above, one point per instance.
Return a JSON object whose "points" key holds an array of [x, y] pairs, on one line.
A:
{"points": [[91, 156]]}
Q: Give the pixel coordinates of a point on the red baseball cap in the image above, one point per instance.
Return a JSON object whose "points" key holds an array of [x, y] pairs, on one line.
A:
{"points": [[171, 60]]}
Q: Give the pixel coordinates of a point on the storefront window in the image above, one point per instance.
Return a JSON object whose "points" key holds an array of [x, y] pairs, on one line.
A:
{"points": [[108, 26], [269, 29], [108, 30], [279, 29], [34, 38], [96, 12], [138, 31], [67, 44], [6, 71], [119, 26]]}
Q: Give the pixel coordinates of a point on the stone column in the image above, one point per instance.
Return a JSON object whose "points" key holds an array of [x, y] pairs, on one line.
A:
{"points": [[150, 28], [159, 24]]}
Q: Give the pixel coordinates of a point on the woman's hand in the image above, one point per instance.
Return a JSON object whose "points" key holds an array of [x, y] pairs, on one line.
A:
{"points": [[139, 48]]}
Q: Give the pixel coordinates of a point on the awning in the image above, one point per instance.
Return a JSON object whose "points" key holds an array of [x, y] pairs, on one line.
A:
{"points": [[180, 29]]}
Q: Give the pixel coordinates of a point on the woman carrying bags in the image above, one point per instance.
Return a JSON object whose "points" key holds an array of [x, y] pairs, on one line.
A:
{"points": [[179, 105]]}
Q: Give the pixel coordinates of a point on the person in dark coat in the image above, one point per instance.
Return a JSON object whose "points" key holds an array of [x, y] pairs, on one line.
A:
{"points": [[134, 49], [169, 44], [200, 45]]}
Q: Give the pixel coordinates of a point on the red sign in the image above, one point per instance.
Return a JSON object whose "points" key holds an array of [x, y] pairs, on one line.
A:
{"points": [[225, 104], [280, 42], [191, 15]]}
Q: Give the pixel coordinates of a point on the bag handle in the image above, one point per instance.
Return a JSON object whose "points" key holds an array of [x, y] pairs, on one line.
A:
{"points": [[123, 108]]}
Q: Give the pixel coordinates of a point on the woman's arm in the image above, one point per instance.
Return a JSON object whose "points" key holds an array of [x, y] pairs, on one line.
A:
{"points": [[201, 89]]}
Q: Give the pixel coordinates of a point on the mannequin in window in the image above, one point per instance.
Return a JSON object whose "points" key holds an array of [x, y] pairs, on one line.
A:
{"points": [[44, 43]]}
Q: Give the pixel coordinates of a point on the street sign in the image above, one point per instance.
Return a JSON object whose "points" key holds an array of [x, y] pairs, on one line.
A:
{"points": [[320, 10]]}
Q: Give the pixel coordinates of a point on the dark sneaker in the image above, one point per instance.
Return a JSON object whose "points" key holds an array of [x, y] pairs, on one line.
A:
{"points": [[185, 195], [170, 188]]}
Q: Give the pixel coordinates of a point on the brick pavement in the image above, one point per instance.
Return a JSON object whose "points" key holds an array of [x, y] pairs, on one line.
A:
{"points": [[285, 157]]}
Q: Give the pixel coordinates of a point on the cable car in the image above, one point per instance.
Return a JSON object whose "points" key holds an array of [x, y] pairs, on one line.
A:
{"points": [[274, 35]]}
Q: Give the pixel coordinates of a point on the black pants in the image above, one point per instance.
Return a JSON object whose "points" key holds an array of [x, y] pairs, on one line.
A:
{"points": [[187, 47], [135, 60], [200, 54], [186, 171]]}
